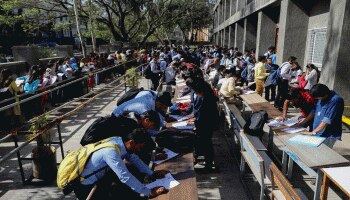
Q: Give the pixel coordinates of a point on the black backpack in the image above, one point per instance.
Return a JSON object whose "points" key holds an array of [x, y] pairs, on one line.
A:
{"points": [[130, 94], [255, 124], [108, 126], [177, 141]]}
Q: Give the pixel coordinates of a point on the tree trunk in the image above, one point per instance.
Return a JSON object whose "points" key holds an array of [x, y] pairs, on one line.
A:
{"points": [[92, 27], [77, 23]]}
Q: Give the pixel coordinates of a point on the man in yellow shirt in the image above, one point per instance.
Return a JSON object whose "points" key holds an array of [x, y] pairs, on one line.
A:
{"points": [[260, 75]]}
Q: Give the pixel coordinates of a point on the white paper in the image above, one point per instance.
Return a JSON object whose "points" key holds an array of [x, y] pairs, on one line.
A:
{"points": [[180, 118], [184, 97], [183, 101], [168, 182], [275, 123], [182, 126], [248, 92], [290, 122], [178, 124], [293, 129], [181, 84], [170, 154]]}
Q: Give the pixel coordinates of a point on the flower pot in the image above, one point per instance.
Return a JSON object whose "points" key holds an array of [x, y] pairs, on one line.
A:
{"points": [[44, 163]]}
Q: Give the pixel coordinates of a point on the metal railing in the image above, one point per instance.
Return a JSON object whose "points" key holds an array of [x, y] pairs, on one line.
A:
{"points": [[57, 120], [53, 89]]}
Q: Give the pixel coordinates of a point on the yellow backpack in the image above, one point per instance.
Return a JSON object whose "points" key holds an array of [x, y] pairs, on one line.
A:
{"points": [[73, 165]]}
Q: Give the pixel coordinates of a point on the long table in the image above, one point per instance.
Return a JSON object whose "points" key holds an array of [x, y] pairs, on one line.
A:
{"points": [[310, 159], [181, 167], [182, 170]]}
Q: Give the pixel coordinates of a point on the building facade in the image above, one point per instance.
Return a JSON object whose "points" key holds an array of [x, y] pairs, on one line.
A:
{"points": [[314, 31]]}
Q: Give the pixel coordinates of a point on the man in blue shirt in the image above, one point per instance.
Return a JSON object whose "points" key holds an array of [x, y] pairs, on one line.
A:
{"points": [[107, 159], [145, 101], [327, 115]]}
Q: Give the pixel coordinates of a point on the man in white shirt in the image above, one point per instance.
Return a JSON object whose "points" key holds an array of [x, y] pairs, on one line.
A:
{"points": [[283, 83]]}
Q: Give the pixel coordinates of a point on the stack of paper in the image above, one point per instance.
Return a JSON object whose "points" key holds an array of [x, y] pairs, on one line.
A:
{"points": [[180, 118], [183, 101], [248, 92], [275, 123], [288, 122], [184, 97], [181, 84], [293, 129], [168, 182], [312, 141], [170, 154]]}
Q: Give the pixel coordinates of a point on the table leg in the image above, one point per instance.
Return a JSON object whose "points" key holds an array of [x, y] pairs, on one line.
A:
{"points": [[318, 185], [325, 186], [284, 162], [290, 168]]}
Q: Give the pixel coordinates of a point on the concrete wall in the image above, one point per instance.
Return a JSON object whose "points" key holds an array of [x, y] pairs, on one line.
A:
{"points": [[318, 19], [335, 71], [250, 32], [265, 33], [232, 36], [292, 36]]}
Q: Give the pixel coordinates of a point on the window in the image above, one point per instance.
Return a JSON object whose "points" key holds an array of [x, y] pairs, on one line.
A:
{"points": [[317, 45]]}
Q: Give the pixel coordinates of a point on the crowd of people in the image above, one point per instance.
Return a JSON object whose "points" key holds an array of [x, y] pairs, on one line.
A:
{"points": [[38, 78], [208, 72]]}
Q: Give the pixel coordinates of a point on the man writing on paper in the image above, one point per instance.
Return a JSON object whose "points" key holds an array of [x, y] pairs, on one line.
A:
{"points": [[327, 115]]}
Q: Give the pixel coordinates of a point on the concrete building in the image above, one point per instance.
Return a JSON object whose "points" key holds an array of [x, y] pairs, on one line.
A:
{"points": [[315, 31]]}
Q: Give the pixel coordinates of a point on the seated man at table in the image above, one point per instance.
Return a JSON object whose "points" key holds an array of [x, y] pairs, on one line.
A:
{"points": [[113, 159], [228, 89], [301, 99], [327, 116], [159, 103]]}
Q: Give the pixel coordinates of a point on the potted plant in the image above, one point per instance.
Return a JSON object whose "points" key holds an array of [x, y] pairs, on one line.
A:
{"points": [[133, 77], [44, 155]]}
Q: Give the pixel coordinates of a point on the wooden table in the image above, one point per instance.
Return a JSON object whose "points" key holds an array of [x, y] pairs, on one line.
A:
{"points": [[340, 176], [181, 167], [182, 170], [271, 111], [252, 98], [310, 159]]}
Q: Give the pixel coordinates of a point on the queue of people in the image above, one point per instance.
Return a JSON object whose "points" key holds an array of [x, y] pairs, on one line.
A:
{"points": [[40, 78]]}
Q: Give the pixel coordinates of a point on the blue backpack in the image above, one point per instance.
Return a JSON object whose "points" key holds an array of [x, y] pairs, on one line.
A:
{"points": [[244, 73], [274, 77]]}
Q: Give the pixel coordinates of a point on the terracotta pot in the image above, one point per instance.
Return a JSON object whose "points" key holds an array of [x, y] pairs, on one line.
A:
{"points": [[44, 163]]}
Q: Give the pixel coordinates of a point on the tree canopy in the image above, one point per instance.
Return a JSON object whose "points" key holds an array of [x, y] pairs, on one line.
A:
{"points": [[122, 20]]}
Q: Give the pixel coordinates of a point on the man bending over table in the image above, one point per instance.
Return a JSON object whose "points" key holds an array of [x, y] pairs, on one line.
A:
{"points": [[327, 115]]}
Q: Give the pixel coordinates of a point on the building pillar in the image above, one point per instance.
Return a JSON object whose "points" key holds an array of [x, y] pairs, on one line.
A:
{"points": [[335, 67], [227, 36], [232, 36], [293, 25], [227, 9], [239, 31], [249, 34], [265, 33]]}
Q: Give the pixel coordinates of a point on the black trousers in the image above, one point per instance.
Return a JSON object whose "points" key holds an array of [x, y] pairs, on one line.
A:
{"points": [[282, 93], [271, 89], [155, 80], [109, 187], [204, 145]]}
